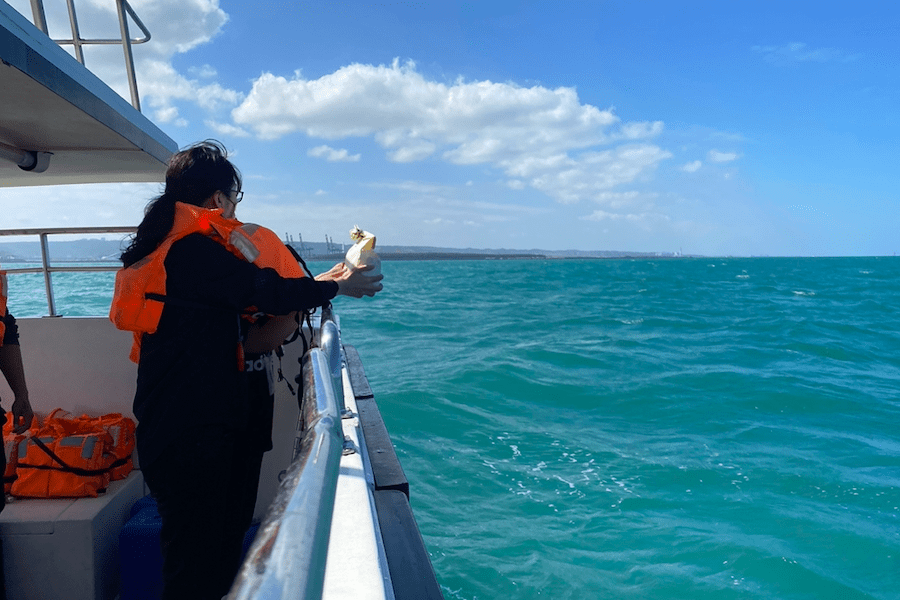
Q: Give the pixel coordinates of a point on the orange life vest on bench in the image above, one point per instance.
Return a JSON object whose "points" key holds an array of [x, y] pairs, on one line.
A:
{"points": [[73, 457]]}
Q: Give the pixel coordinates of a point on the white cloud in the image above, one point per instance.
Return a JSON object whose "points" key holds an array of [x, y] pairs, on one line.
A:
{"points": [[722, 157], [226, 129], [167, 20], [332, 155], [602, 215], [642, 218], [692, 167], [203, 71], [413, 187], [161, 85], [587, 176], [111, 204], [620, 199], [540, 137], [799, 52], [412, 151]]}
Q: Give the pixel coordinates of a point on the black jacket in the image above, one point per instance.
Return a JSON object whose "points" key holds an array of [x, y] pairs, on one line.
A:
{"points": [[188, 375]]}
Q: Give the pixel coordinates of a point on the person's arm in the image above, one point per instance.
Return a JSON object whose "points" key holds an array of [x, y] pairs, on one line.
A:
{"points": [[11, 366], [353, 282], [261, 338], [202, 270]]}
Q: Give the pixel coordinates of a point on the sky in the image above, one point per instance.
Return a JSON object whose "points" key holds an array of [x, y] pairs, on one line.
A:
{"points": [[702, 127]]}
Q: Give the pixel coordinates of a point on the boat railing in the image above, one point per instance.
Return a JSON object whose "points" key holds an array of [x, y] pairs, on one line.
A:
{"points": [[47, 268], [330, 343], [287, 557], [123, 10]]}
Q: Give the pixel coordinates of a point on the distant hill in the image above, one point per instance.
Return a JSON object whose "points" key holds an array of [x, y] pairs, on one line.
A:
{"points": [[78, 250], [100, 250]]}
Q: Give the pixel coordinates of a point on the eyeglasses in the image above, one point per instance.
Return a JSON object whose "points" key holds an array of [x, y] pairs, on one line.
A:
{"points": [[238, 196]]}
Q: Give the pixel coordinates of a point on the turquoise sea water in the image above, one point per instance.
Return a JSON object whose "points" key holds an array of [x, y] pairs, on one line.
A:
{"points": [[671, 429]]}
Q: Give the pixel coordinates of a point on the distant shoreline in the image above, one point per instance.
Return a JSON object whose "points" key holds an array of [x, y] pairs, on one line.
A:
{"points": [[388, 256], [392, 256], [437, 256], [93, 250]]}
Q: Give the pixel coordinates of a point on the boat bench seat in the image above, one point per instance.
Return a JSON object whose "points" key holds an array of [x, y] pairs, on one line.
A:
{"points": [[67, 549]]}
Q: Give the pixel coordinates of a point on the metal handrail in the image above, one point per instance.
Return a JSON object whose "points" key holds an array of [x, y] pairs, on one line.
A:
{"points": [[46, 268], [330, 343], [287, 557], [122, 7]]}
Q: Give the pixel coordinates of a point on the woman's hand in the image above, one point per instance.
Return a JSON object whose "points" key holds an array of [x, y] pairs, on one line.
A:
{"points": [[22, 414], [353, 282], [333, 273]]}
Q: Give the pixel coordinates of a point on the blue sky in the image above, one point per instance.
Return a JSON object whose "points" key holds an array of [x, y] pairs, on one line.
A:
{"points": [[717, 128]]}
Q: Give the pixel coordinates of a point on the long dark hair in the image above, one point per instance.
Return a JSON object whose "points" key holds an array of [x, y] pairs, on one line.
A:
{"points": [[193, 175]]}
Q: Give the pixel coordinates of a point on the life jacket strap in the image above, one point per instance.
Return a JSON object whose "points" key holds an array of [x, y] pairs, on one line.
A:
{"points": [[66, 468]]}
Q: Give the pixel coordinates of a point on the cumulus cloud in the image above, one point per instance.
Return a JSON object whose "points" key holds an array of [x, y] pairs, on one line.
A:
{"points": [[540, 137], [722, 157], [588, 175], [799, 52], [631, 206], [692, 167], [162, 85], [332, 155], [226, 129]]}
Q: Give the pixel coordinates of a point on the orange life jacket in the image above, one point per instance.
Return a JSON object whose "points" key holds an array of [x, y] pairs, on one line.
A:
{"points": [[73, 457], [141, 288], [2, 305], [11, 444]]}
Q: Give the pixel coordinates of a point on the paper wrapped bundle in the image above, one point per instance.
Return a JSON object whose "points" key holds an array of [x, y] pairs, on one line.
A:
{"points": [[363, 252]]}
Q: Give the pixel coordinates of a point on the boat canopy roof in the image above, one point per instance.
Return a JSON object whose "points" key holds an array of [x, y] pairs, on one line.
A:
{"points": [[49, 102]]}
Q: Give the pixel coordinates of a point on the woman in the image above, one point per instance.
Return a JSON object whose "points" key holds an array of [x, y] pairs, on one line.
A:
{"points": [[191, 401]]}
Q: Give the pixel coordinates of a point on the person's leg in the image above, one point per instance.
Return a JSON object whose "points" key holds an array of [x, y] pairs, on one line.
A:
{"points": [[245, 483], [191, 482]]}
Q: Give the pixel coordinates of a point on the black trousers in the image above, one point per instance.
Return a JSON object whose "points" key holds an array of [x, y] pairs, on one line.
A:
{"points": [[205, 486], [2, 506]]}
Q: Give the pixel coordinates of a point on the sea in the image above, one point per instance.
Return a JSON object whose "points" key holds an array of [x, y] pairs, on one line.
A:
{"points": [[671, 429]]}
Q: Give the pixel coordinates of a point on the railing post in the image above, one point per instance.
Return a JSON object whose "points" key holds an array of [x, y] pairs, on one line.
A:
{"points": [[45, 263], [129, 57], [40, 19], [76, 33], [124, 9]]}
